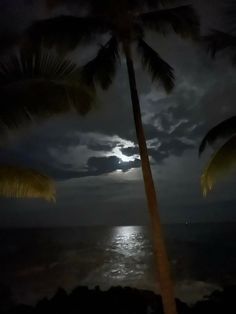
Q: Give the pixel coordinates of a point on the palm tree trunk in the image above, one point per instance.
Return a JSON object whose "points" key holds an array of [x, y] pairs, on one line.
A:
{"points": [[160, 254]]}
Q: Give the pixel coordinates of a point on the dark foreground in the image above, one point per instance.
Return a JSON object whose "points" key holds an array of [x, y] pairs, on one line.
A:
{"points": [[120, 300]]}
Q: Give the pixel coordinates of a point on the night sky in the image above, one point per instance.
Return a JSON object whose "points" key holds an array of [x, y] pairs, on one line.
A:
{"points": [[94, 159]]}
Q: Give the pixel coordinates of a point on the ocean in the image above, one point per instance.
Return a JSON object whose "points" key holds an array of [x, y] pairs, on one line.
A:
{"points": [[35, 262]]}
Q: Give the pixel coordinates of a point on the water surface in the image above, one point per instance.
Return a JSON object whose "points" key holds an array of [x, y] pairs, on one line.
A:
{"points": [[34, 262]]}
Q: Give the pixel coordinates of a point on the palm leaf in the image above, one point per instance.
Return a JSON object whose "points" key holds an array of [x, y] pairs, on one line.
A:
{"points": [[131, 4], [183, 20], [218, 41], [8, 39], [106, 7], [220, 165], [158, 68], [102, 68], [37, 86], [65, 32], [222, 130], [230, 15], [51, 4], [18, 182]]}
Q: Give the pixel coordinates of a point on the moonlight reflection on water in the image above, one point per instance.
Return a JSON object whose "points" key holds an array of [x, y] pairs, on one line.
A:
{"points": [[127, 251], [128, 241]]}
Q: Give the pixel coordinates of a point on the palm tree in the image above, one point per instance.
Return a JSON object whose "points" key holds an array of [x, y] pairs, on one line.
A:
{"points": [[20, 182], [35, 86], [125, 22], [224, 159], [218, 40]]}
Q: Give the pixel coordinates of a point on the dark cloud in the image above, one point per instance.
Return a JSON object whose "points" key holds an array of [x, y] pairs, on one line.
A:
{"points": [[175, 147], [130, 151], [101, 147], [101, 165], [168, 147]]}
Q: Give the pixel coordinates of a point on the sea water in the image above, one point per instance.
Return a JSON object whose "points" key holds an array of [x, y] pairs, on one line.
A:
{"points": [[35, 262]]}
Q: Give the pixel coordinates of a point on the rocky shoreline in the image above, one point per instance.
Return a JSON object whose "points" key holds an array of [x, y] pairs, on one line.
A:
{"points": [[122, 300]]}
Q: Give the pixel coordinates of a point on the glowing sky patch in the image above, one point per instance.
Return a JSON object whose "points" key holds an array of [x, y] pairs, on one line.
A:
{"points": [[117, 152], [121, 143]]}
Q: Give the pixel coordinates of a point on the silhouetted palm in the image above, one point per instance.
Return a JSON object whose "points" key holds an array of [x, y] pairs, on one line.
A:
{"points": [[35, 86], [217, 40], [125, 24], [224, 159], [20, 182]]}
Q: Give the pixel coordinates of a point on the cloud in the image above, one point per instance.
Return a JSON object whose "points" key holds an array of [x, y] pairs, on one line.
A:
{"points": [[101, 165]]}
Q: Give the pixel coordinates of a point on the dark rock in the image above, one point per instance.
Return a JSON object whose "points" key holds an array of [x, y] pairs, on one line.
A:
{"points": [[124, 300]]}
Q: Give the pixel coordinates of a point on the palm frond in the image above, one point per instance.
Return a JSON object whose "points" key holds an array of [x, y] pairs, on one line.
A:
{"points": [[157, 3], [51, 4], [18, 182], [183, 20], [39, 85], [40, 65], [101, 69], [225, 129], [156, 66], [102, 7], [64, 32], [230, 15], [220, 165], [218, 40], [8, 39], [131, 4]]}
